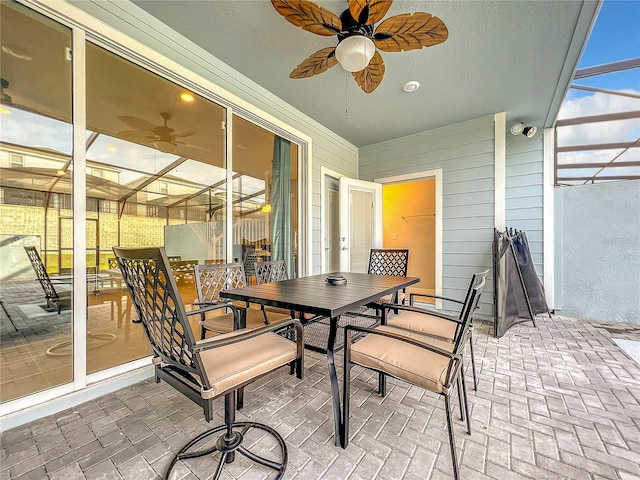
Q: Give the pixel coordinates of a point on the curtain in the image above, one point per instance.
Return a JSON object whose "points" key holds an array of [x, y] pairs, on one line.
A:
{"points": [[281, 228]]}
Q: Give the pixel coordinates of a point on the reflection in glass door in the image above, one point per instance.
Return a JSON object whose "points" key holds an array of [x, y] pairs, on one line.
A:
{"points": [[156, 175], [35, 201]]}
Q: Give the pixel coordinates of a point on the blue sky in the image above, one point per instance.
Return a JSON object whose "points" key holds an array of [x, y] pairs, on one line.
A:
{"points": [[615, 36]]}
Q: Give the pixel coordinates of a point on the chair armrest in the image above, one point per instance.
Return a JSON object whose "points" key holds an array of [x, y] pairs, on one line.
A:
{"points": [[245, 334], [424, 311], [401, 338], [209, 306], [438, 297]]}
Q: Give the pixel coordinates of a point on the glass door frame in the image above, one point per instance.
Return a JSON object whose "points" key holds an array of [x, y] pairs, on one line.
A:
{"points": [[84, 27]]}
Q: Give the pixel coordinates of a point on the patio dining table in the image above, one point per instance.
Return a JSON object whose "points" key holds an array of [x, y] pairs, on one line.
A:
{"points": [[313, 295]]}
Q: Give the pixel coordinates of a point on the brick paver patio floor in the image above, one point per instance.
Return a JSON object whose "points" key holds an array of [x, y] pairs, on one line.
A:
{"points": [[557, 401]]}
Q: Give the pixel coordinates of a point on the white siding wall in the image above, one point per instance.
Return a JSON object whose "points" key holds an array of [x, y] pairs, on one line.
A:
{"points": [[524, 179], [465, 153], [328, 149]]}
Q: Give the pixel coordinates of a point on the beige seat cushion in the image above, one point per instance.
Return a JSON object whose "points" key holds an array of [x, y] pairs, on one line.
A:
{"points": [[233, 365], [402, 360], [218, 321], [389, 298], [424, 323]]}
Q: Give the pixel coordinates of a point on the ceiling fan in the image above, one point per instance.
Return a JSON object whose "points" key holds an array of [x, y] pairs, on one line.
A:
{"points": [[162, 137], [358, 41]]}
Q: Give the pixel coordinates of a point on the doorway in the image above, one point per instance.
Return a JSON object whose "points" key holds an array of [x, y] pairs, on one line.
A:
{"points": [[412, 218], [351, 219]]}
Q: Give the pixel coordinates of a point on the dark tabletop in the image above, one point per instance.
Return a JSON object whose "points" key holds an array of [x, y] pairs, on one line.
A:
{"points": [[314, 295]]}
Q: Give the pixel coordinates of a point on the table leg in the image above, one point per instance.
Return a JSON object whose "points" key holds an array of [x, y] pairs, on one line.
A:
{"points": [[333, 377]]}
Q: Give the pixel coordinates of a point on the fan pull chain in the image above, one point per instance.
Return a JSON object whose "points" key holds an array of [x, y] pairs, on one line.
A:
{"points": [[346, 93]]}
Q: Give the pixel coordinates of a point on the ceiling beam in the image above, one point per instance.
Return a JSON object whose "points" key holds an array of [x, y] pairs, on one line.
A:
{"points": [[602, 90], [598, 165], [589, 179], [200, 192], [607, 117], [598, 146], [607, 68]]}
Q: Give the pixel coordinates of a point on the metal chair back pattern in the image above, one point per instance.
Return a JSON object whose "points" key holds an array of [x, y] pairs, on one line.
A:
{"points": [[389, 262], [42, 275], [271, 271], [154, 292], [212, 278], [249, 262]]}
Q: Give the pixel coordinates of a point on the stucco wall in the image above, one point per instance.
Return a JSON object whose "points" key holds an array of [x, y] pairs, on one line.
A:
{"points": [[598, 246]]}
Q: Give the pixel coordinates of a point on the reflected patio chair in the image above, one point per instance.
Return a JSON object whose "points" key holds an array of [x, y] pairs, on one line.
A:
{"points": [[271, 271], [207, 369], [55, 300], [387, 261], [438, 324], [414, 358], [210, 281], [276, 271], [249, 262]]}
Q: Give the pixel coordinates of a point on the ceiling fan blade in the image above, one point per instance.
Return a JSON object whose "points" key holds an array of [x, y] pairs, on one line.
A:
{"points": [[190, 145], [186, 132], [136, 122], [372, 10], [309, 16], [369, 78], [135, 136], [319, 62], [410, 32]]}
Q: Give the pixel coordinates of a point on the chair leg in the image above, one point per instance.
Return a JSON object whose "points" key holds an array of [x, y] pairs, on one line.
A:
{"points": [[452, 441], [240, 401], [473, 362], [460, 399], [466, 402], [382, 384]]}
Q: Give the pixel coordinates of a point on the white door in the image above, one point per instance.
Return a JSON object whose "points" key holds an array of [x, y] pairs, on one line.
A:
{"points": [[360, 223]]}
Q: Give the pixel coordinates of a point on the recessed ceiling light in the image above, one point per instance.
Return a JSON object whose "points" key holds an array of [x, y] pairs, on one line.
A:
{"points": [[5, 111], [60, 173], [411, 86], [186, 97], [111, 148]]}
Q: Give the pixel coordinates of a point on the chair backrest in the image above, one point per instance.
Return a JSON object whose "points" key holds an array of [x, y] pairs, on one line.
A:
{"points": [[41, 273], [476, 278], [250, 259], [211, 279], [389, 261], [271, 271], [467, 315], [155, 295]]}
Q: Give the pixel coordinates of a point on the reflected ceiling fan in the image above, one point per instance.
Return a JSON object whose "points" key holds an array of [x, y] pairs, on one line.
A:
{"points": [[162, 137], [358, 40]]}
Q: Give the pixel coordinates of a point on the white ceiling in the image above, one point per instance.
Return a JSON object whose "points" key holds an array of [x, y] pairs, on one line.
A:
{"points": [[511, 56]]}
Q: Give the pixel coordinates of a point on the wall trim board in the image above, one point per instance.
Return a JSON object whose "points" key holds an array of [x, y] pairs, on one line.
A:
{"points": [[500, 163], [548, 216]]}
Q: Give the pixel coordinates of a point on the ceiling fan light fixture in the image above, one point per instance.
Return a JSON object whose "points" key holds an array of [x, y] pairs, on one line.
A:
{"points": [[165, 147], [355, 52]]}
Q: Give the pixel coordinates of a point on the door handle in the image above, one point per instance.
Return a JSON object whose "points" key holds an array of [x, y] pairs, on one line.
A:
{"points": [[345, 248]]}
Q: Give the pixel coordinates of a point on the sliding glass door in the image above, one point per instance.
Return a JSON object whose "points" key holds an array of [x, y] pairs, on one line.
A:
{"points": [[36, 169]]}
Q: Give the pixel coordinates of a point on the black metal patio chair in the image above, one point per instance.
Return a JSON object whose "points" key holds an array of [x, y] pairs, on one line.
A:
{"points": [[438, 324], [388, 261], [414, 358], [207, 369]]}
